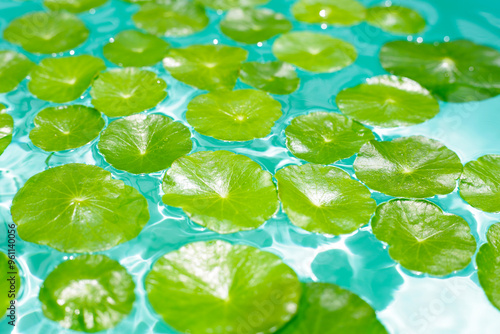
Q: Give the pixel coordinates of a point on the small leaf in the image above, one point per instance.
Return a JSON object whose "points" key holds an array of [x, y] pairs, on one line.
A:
{"points": [[236, 115], [408, 167], [216, 287], [228, 4], [90, 293], [314, 52], [73, 6], [325, 137], [395, 19], [422, 238], [220, 190], [47, 32], [144, 143], [6, 274], [480, 183], [488, 265], [64, 79], [14, 67], [6, 129], [274, 77], [127, 91], [336, 12], [324, 199]]}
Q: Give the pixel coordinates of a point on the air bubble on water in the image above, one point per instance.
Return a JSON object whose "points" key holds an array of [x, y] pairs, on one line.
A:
{"points": [[216, 41], [54, 55], [323, 26], [111, 40], [446, 38], [322, 13], [72, 52], [409, 38], [420, 40], [219, 11], [388, 3], [259, 44], [92, 11]]}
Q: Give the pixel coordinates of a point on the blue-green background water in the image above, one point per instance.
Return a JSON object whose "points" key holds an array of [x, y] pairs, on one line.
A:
{"points": [[405, 302]]}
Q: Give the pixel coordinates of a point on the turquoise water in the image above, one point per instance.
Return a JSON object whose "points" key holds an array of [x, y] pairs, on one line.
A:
{"points": [[405, 302]]}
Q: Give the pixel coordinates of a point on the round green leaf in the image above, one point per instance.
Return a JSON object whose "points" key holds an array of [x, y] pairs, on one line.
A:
{"points": [[325, 137], [314, 52], [274, 77], [388, 101], [458, 71], [144, 143], [6, 128], [90, 293], [328, 309], [208, 67], [47, 32], [413, 166], [66, 127], [14, 67], [78, 208], [127, 91], [216, 287], [324, 199], [64, 79], [337, 12], [423, 238], [73, 6], [480, 183], [220, 190], [395, 19], [171, 18], [8, 284], [250, 25], [488, 265], [239, 115], [134, 48], [228, 4]]}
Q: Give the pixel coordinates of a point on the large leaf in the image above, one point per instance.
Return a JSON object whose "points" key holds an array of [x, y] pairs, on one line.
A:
{"points": [[336, 12], [274, 77], [488, 265], [73, 6], [14, 67], [395, 19], [6, 128]]}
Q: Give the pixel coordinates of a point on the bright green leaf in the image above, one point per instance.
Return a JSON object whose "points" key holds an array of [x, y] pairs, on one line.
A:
{"points": [[64, 79], [14, 67], [6, 281], [274, 77], [228, 4], [73, 6], [458, 71], [220, 190], [422, 238], [6, 128], [480, 183], [238, 115], [325, 137], [127, 91], [216, 287], [488, 265], [336, 12], [208, 67], [47, 32], [90, 293], [388, 101], [253, 25], [324, 199], [395, 19], [314, 52], [144, 143], [66, 127], [134, 48], [78, 208], [328, 309], [413, 166]]}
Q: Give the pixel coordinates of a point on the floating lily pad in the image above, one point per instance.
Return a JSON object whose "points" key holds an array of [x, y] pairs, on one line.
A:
{"points": [[458, 71], [90, 293], [314, 52], [328, 309], [325, 137], [6, 128], [78, 208], [47, 32], [408, 167], [480, 183], [144, 143], [209, 67], [250, 25], [66, 127], [228, 4], [220, 190], [73, 6], [64, 79], [127, 91], [324, 199], [14, 67], [171, 18], [423, 238], [216, 287], [337, 12], [9, 270], [236, 115], [395, 19], [134, 48], [388, 101], [274, 77], [488, 265]]}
